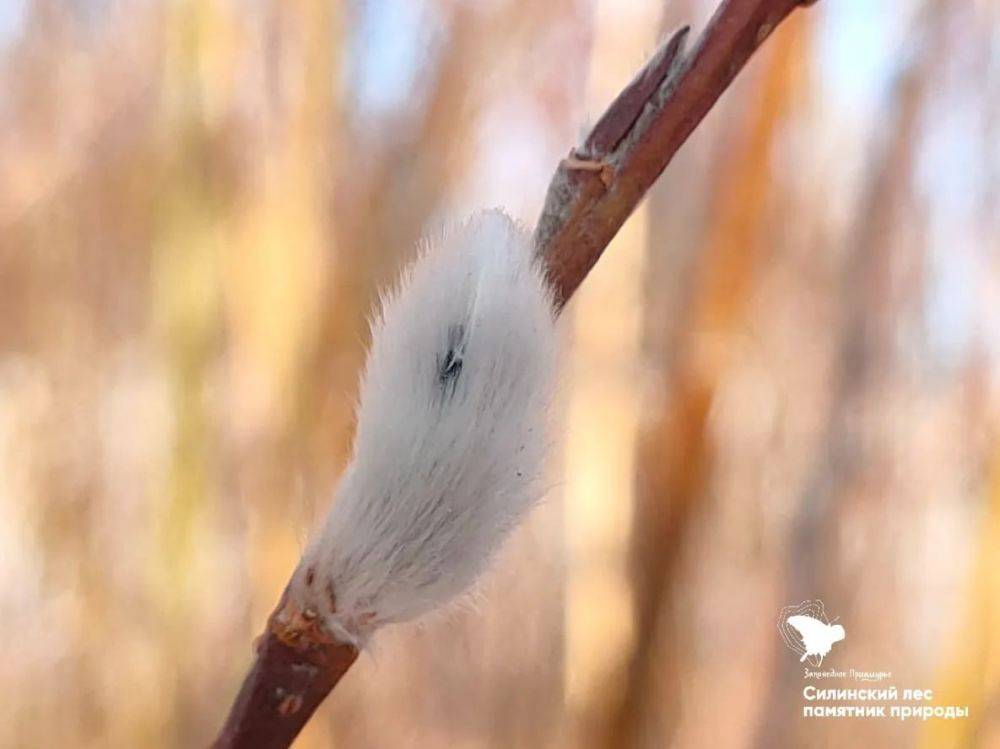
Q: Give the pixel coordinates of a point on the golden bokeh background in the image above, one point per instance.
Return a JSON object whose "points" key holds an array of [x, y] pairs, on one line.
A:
{"points": [[780, 383]]}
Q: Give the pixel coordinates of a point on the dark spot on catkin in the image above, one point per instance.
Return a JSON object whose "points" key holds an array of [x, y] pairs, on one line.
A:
{"points": [[449, 365]]}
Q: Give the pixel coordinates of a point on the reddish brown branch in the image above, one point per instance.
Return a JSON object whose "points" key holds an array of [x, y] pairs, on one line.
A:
{"points": [[590, 196], [599, 185], [297, 665]]}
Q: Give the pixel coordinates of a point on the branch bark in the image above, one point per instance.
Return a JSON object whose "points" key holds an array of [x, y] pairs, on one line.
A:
{"points": [[297, 664], [592, 193], [599, 185]]}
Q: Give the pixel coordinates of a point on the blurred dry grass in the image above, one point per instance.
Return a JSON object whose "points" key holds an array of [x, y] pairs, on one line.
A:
{"points": [[782, 381]]}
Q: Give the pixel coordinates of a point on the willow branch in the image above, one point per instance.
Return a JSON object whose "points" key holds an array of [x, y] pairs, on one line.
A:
{"points": [[599, 185], [296, 666], [592, 193]]}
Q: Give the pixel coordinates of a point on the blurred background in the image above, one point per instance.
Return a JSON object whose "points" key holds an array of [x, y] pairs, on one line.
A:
{"points": [[781, 382]]}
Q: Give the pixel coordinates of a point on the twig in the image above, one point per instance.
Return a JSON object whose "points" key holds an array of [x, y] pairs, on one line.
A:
{"points": [[297, 664], [592, 193], [599, 185]]}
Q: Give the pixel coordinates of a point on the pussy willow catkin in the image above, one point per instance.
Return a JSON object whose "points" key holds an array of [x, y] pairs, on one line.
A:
{"points": [[452, 433]]}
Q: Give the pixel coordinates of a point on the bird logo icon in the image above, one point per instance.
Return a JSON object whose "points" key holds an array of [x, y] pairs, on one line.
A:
{"points": [[807, 631]]}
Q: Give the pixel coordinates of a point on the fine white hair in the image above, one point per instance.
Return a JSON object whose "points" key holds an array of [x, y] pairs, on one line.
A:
{"points": [[452, 432]]}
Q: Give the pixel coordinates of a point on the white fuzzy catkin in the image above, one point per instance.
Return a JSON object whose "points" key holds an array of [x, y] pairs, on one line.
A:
{"points": [[451, 432]]}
